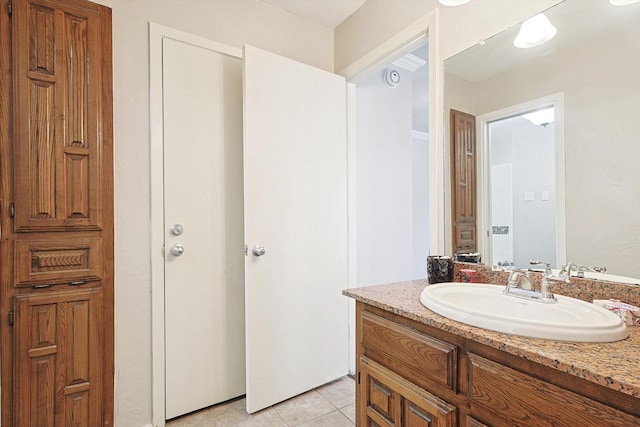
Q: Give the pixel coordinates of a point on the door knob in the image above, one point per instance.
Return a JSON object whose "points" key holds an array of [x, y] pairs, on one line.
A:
{"points": [[258, 250], [177, 229], [176, 249]]}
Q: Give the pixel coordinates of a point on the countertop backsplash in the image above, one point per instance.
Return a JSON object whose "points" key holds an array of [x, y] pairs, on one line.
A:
{"points": [[581, 288]]}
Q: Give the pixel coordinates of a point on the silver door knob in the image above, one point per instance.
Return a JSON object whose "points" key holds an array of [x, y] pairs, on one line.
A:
{"points": [[176, 249], [177, 229], [258, 250]]}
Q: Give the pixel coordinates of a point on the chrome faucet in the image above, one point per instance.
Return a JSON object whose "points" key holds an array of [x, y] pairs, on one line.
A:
{"points": [[564, 275], [520, 284], [520, 279]]}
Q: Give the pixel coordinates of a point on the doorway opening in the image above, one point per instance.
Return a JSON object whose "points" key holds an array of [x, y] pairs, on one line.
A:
{"points": [[392, 169], [522, 183]]}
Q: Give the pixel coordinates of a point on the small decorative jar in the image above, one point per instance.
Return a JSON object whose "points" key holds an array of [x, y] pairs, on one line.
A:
{"points": [[468, 276]]}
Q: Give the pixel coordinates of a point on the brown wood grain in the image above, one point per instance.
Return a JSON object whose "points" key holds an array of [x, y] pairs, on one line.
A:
{"points": [[463, 182], [56, 166], [408, 405], [435, 357], [494, 388]]}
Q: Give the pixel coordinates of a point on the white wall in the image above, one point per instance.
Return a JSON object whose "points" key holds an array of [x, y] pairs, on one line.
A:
{"points": [[384, 179], [233, 22], [392, 176]]}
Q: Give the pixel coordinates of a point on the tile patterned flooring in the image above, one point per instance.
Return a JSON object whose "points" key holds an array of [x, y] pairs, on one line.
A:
{"points": [[332, 405]]}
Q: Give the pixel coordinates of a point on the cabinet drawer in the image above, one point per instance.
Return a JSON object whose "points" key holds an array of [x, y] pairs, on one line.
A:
{"points": [[520, 399], [425, 355], [62, 260]]}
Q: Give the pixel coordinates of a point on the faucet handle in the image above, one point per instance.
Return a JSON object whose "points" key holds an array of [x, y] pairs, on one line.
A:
{"points": [[582, 269], [547, 265]]}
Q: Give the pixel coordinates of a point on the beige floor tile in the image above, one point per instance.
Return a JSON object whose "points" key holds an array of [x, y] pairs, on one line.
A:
{"points": [[303, 408], [231, 414], [349, 412], [339, 393], [333, 419], [266, 418], [316, 408]]}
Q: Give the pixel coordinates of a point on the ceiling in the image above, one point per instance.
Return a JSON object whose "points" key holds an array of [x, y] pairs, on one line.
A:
{"points": [[328, 13]]}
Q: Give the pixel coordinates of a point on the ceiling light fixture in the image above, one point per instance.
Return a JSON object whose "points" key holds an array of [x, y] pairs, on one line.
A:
{"points": [[534, 32], [541, 117], [453, 2], [623, 2]]}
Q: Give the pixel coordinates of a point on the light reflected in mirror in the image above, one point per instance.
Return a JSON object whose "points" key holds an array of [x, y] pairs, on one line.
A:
{"points": [[594, 62]]}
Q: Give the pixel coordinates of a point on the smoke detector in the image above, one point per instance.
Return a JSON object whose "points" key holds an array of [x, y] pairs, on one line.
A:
{"points": [[392, 78]]}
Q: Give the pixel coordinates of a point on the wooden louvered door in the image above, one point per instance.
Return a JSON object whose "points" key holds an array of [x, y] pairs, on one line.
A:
{"points": [[57, 214], [463, 182]]}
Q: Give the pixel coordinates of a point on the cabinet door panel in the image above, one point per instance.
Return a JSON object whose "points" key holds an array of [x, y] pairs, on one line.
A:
{"points": [[58, 93], [414, 416], [58, 349], [382, 403], [411, 406]]}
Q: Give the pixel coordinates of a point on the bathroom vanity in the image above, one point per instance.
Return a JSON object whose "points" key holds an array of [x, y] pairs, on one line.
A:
{"points": [[417, 368]]}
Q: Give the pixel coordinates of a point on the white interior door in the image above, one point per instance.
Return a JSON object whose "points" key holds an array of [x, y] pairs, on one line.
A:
{"points": [[296, 207], [204, 285]]}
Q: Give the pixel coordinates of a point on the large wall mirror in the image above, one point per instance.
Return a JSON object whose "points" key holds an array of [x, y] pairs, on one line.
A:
{"points": [[574, 180]]}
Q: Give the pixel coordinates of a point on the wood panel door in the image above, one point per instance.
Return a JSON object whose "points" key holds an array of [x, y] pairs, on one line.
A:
{"points": [[59, 79], [463, 182], [56, 245], [58, 347]]}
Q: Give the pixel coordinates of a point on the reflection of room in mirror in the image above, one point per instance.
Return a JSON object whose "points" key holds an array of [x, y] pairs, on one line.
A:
{"points": [[522, 167], [593, 62]]}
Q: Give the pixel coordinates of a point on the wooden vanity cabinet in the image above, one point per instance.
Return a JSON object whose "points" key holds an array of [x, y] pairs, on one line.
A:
{"points": [[412, 374], [56, 214]]}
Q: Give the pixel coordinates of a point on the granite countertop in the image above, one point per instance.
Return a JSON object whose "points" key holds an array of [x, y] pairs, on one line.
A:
{"points": [[613, 365]]}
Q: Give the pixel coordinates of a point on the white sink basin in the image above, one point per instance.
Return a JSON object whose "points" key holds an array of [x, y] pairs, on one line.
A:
{"points": [[485, 306]]}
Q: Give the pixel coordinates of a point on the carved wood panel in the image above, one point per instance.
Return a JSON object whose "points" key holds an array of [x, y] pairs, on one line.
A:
{"points": [[57, 337], [56, 213], [58, 90], [463, 181], [61, 260]]}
